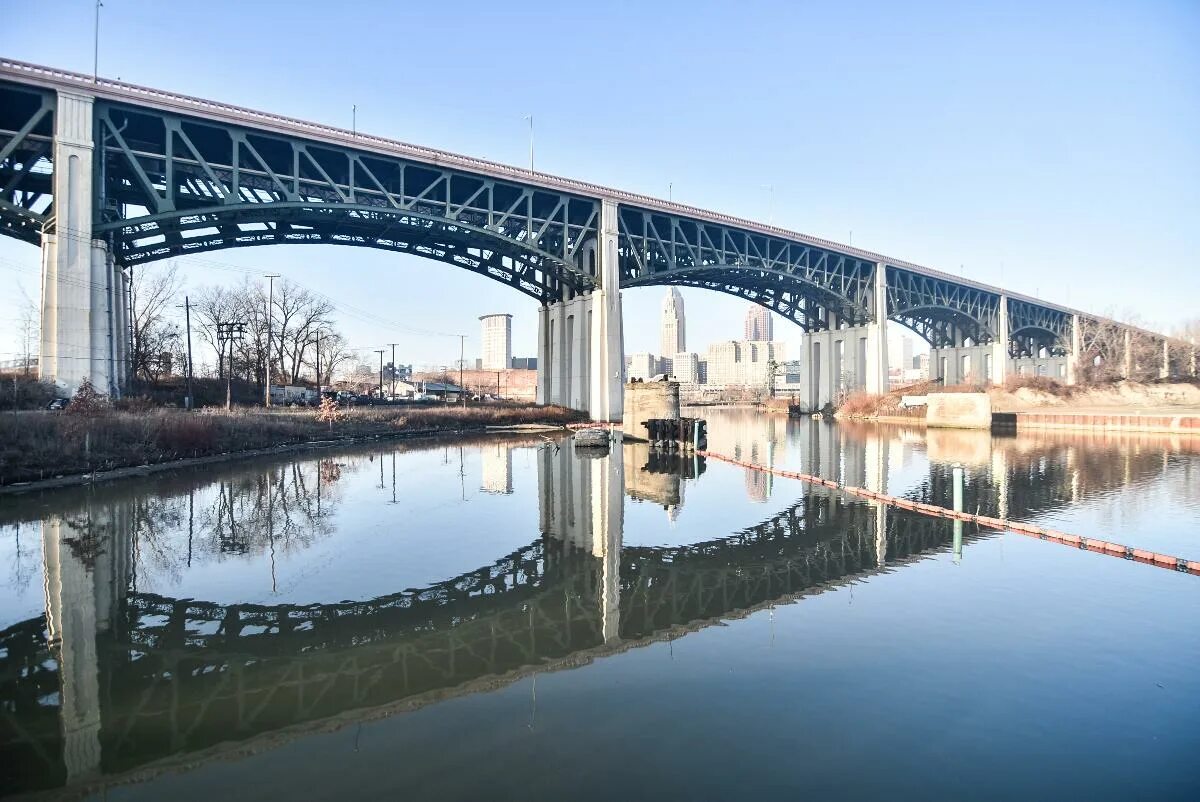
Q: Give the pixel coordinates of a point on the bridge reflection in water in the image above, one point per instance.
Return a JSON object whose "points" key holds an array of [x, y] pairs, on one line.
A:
{"points": [[114, 684]]}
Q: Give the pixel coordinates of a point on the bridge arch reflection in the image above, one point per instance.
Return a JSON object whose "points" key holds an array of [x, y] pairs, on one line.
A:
{"points": [[116, 682]]}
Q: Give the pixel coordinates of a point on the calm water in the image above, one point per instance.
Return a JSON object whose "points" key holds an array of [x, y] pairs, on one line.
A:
{"points": [[510, 619]]}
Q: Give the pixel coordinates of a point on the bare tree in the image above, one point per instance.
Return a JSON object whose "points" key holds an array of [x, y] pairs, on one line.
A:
{"points": [[299, 314], [213, 308], [334, 353], [152, 296], [27, 332]]}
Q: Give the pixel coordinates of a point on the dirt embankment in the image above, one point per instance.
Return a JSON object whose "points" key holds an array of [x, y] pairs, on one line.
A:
{"points": [[1026, 394], [38, 445]]}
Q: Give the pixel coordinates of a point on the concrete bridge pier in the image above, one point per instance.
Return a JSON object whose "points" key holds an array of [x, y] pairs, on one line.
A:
{"points": [[84, 294], [841, 358], [999, 347], [581, 354]]}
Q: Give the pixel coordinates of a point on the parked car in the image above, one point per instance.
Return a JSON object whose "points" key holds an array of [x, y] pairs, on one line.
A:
{"points": [[58, 403]]}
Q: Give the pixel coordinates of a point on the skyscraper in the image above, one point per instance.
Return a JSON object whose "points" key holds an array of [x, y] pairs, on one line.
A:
{"points": [[758, 323], [496, 337], [673, 337]]}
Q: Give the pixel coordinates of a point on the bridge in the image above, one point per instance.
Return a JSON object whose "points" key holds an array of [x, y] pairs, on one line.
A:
{"points": [[105, 176]]}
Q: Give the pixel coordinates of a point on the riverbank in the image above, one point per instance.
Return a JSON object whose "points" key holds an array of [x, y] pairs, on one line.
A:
{"points": [[1168, 407], [45, 449]]}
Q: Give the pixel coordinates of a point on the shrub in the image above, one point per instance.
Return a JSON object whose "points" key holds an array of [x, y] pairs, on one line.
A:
{"points": [[858, 404]]}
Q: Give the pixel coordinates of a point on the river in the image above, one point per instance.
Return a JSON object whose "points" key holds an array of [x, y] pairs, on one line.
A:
{"points": [[509, 618]]}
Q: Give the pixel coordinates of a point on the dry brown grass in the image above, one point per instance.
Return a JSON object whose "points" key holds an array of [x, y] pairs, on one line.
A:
{"points": [[36, 445], [860, 404], [1043, 384]]}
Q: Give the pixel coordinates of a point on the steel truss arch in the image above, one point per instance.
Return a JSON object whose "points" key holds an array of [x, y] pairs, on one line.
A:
{"points": [[657, 248], [773, 290], [171, 185], [26, 161], [942, 312], [1034, 327]]}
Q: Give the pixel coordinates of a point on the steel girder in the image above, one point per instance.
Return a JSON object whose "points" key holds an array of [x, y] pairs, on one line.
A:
{"points": [[26, 161], [172, 185], [944, 313], [799, 281], [1033, 327]]}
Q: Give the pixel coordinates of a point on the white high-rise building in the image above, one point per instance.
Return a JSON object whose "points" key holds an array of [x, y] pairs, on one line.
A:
{"points": [[496, 336], [673, 334], [759, 325], [640, 366], [742, 363], [685, 368]]}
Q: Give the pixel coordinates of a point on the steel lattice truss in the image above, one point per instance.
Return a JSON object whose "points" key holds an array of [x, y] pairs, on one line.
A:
{"points": [[798, 281], [174, 185], [26, 166], [1033, 327], [946, 314]]}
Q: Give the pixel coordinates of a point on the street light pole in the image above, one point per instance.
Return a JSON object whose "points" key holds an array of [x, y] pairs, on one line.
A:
{"points": [[380, 352], [393, 367], [530, 118], [96, 45], [462, 344], [270, 314], [187, 311]]}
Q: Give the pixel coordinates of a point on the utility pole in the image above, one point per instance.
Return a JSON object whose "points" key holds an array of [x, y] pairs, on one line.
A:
{"points": [[318, 362], [380, 352], [96, 45], [270, 277], [393, 367], [226, 334], [354, 120], [187, 311], [462, 344]]}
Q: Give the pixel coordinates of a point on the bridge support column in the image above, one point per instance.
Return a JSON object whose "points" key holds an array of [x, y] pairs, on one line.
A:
{"points": [[1000, 344], [1076, 353], [79, 336], [581, 356], [877, 350], [607, 379]]}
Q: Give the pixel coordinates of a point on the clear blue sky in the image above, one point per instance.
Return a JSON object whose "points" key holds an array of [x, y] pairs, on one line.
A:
{"points": [[1053, 148]]}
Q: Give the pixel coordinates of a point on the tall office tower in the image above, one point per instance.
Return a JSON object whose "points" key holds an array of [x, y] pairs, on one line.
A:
{"points": [[496, 336], [673, 338], [758, 323]]}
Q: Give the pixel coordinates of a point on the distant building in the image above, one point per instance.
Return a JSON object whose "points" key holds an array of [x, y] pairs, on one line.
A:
{"points": [[640, 366], [906, 353], [674, 338], [524, 363], [742, 363], [496, 338], [685, 367], [759, 326]]}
